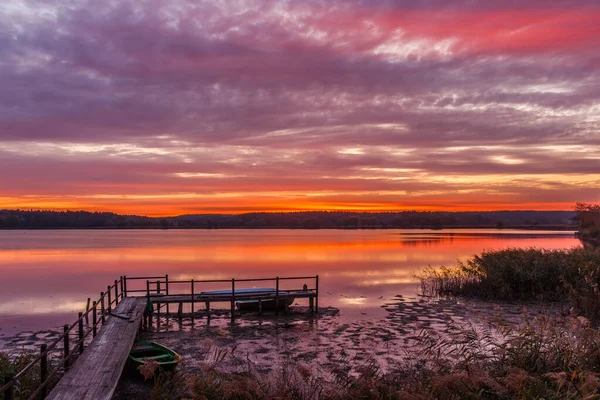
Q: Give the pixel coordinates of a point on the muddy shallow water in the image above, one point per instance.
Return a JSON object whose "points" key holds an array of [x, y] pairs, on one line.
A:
{"points": [[330, 341], [323, 343]]}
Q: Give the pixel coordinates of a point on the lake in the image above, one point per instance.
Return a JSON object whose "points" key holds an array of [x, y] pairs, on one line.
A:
{"points": [[47, 275]]}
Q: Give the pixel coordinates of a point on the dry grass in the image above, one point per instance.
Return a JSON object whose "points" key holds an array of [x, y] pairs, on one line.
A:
{"points": [[9, 366], [544, 358], [523, 275]]}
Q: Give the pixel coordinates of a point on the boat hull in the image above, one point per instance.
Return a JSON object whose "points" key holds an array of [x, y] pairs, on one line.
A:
{"points": [[144, 352], [267, 299], [267, 305]]}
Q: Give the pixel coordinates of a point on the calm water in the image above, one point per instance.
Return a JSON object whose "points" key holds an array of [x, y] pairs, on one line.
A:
{"points": [[46, 276]]}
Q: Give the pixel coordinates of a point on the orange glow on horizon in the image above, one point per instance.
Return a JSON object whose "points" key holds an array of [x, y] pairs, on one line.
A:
{"points": [[169, 210]]}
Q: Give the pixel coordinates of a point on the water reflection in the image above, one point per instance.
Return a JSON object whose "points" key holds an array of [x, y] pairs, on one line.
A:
{"points": [[47, 275]]}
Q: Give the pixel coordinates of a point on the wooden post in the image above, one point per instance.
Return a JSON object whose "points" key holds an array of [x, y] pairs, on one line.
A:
{"points": [[94, 322], [116, 293], [167, 290], [80, 334], [87, 311], [66, 347], [232, 297], [44, 369], [317, 294], [149, 319], [207, 303], [276, 295], [158, 301], [148, 303], [121, 285], [108, 300], [259, 306], [102, 307], [8, 394], [192, 305], [125, 285]]}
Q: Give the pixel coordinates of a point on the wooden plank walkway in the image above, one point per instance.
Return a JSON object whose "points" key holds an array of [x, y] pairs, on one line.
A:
{"points": [[95, 374]]}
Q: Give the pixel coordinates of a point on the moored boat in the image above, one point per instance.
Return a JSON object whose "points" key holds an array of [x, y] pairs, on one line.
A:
{"points": [[144, 352], [265, 298]]}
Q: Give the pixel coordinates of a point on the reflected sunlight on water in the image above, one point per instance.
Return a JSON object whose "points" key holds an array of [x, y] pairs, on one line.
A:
{"points": [[52, 272]]}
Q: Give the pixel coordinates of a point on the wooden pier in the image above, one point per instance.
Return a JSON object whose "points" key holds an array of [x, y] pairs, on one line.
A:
{"points": [[97, 371], [93, 372], [160, 291]]}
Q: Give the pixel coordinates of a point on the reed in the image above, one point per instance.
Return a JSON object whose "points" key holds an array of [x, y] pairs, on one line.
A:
{"points": [[543, 358], [523, 275]]}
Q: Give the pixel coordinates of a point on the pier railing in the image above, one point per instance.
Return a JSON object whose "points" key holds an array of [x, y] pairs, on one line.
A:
{"points": [[161, 289], [156, 288], [99, 311]]}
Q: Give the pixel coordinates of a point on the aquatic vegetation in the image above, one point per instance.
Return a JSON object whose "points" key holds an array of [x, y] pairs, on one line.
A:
{"points": [[28, 382], [544, 358], [523, 275], [551, 358]]}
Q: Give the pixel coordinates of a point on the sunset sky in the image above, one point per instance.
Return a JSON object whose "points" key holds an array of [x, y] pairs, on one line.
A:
{"points": [[166, 107]]}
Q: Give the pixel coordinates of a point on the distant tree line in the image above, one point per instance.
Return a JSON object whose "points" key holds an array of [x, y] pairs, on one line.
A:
{"points": [[23, 219], [71, 219]]}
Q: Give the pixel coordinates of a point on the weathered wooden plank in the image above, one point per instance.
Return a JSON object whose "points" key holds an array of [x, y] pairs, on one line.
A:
{"points": [[96, 372], [238, 297]]}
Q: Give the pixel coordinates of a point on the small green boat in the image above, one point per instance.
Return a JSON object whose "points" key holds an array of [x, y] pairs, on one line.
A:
{"points": [[152, 351]]}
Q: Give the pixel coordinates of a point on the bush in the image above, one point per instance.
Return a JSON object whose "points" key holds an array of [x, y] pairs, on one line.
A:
{"points": [[524, 275], [28, 382]]}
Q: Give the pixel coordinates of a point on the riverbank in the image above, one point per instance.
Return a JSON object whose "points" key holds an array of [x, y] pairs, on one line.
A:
{"points": [[332, 349], [425, 348]]}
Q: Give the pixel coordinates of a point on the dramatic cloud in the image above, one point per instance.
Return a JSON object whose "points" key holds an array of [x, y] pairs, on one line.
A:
{"points": [[163, 107]]}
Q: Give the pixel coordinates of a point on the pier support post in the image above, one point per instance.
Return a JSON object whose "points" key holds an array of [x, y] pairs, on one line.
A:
{"points": [[158, 290], [277, 296], [80, 334], [125, 285], [232, 299], [116, 293], [109, 300], [167, 291], [317, 294], [192, 305], [8, 394], [87, 311], [94, 317], [148, 304], [66, 348], [44, 369], [102, 317]]}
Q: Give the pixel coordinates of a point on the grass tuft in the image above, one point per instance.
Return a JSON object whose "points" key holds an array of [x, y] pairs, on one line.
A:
{"points": [[523, 275]]}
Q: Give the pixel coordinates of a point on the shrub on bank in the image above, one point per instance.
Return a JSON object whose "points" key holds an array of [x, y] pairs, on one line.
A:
{"points": [[524, 275], [28, 383]]}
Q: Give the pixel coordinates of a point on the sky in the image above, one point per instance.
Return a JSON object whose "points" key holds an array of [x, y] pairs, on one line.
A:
{"points": [[167, 107]]}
